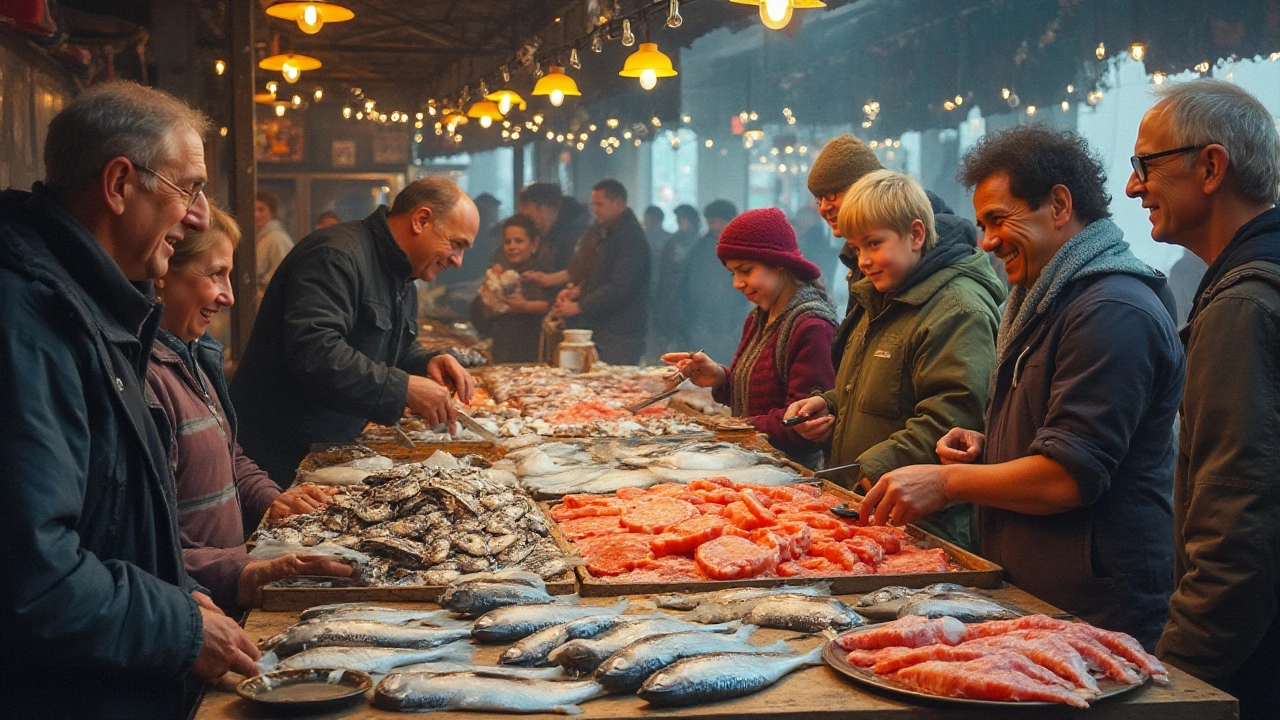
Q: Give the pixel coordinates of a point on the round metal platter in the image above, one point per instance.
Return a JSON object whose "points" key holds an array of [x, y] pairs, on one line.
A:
{"points": [[838, 661], [313, 689]]}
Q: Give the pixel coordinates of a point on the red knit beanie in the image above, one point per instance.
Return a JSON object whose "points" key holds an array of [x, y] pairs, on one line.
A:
{"points": [[765, 236]]}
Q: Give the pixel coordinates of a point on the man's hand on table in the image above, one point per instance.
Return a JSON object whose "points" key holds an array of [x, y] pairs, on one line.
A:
{"points": [[225, 645], [260, 572]]}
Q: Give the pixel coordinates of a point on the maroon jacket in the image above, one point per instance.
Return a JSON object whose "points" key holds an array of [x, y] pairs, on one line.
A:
{"points": [[220, 491], [808, 368]]}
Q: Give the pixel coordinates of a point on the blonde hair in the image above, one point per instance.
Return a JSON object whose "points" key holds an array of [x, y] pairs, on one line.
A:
{"points": [[890, 201], [196, 242]]}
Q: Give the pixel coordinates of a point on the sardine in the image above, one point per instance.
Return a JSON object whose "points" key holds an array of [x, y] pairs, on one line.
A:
{"points": [[522, 577], [627, 669], [720, 676], [440, 667], [883, 604], [378, 613], [509, 624], [421, 692], [360, 633], [965, 607], [689, 601], [718, 611], [534, 649], [584, 656], [375, 660], [477, 598], [807, 615]]}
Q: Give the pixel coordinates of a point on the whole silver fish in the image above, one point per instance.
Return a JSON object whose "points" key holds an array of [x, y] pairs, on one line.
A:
{"points": [[584, 656], [735, 608], [374, 660], [533, 650], [440, 667], [522, 577], [965, 607], [421, 692], [689, 601], [509, 624], [807, 615], [883, 604], [627, 669], [377, 613], [477, 598], [360, 633], [720, 676]]}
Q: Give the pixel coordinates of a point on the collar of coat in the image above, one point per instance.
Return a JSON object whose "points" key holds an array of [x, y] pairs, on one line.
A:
{"points": [[867, 296], [388, 250]]}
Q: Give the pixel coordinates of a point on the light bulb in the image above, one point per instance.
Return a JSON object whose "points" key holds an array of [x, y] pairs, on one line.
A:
{"points": [[272, 87], [504, 105], [346, 112], [775, 14], [1100, 52], [557, 97], [506, 74], [574, 62], [648, 79], [673, 15], [310, 20], [219, 67], [1137, 51], [486, 121], [280, 111], [628, 38], [596, 44], [296, 101], [291, 73], [318, 94]]}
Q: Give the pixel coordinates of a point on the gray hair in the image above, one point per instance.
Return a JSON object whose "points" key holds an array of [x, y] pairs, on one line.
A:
{"points": [[116, 119], [438, 193], [1213, 111]]}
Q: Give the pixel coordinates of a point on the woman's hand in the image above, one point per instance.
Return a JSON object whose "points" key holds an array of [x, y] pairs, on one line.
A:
{"points": [[821, 423], [698, 367], [300, 499]]}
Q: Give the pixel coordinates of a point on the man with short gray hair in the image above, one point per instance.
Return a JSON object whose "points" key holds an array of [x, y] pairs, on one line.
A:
{"points": [[96, 608], [1206, 166]]}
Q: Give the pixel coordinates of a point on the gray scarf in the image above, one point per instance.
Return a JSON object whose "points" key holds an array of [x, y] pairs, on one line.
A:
{"points": [[807, 299], [1099, 249]]}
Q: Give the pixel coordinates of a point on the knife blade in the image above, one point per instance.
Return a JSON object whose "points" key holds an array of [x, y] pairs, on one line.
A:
{"points": [[470, 423], [837, 469]]}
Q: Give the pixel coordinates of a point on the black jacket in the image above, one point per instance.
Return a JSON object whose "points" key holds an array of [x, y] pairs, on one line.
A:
{"points": [[561, 240], [333, 345], [611, 267], [95, 608], [1093, 385]]}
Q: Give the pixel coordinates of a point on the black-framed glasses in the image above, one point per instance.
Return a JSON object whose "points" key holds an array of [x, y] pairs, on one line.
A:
{"points": [[192, 193], [1139, 162]]}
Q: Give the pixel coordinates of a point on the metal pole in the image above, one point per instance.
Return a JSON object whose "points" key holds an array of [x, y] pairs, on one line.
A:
{"points": [[243, 173]]}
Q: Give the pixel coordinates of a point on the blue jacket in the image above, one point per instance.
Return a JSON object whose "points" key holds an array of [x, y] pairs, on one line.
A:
{"points": [[1094, 385], [95, 607]]}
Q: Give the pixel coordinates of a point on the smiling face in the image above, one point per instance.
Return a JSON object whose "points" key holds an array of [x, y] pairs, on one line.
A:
{"points": [[440, 243], [1023, 238], [886, 257], [829, 209], [760, 283], [195, 293], [517, 245], [157, 218], [1172, 195]]}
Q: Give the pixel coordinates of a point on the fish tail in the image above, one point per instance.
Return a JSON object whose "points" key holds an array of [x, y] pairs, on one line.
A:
{"points": [[745, 632], [621, 606], [569, 709], [780, 646], [566, 599], [813, 657]]}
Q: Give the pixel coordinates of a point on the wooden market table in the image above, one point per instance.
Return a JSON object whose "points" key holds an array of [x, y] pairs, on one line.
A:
{"points": [[816, 692]]}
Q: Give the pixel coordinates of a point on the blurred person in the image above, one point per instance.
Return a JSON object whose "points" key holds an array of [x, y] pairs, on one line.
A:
{"points": [[658, 239], [1074, 474], [712, 308], [273, 241], [335, 343], [608, 289], [488, 242], [561, 222], [922, 347], [221, 494], [328, 218], [99, 615], [511, 313], [1207, 169], [668, 306], [785, 351]]}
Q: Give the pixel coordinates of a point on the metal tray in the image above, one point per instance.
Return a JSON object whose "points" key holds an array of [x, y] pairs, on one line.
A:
{"points": [[271, 690], [837, 659]]}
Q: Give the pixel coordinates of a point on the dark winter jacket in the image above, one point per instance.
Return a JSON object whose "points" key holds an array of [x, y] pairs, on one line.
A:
{"points": [[222, 495], [96, 614], [333, 345], [1093, 384], [561, 240], [669, 313], [611, 268], [1224, 616]]}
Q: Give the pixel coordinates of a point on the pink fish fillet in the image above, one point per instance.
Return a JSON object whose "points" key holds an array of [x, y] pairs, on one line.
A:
{"points": [[911, 632], [1118, 643], [983, 679], [1050, 652]]}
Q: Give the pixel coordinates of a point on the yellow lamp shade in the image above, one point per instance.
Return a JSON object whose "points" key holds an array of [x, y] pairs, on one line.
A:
{"points": [[485, 109], [310, 16], [264, 98], [276, 63], [797, 4], [454, 117], [508, 99], [556, 83], [648, 57]]}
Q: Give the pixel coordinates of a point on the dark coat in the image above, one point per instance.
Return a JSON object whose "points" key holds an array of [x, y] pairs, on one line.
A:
{"points": [[561, 241], [96, 613], [668, 303], [1224, 616], [1093, 385], [333, 345], [612, 269]]}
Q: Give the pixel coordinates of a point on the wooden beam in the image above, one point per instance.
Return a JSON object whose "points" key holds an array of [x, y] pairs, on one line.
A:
{"points": [[243, 175]]}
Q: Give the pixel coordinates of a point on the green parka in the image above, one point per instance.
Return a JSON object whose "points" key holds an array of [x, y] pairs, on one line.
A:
{"points": [[915, 365]]}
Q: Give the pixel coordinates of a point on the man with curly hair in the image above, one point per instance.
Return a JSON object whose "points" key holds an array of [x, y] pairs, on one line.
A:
{"points": [[1074, 473]]}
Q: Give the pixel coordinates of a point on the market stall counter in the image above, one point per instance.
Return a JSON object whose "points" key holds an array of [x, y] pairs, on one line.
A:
{"points": [[810, 692]]}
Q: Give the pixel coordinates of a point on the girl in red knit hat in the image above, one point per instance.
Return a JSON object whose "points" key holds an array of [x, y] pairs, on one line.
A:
{"points": [[785, 351]]}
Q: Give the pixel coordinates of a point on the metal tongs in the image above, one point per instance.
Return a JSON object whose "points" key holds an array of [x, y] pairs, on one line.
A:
{"points": [[672, 387]]}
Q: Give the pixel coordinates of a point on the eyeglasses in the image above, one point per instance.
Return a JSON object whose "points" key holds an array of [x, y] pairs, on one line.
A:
{"points": [[192, 193], [1139, 162], [829, 198]]}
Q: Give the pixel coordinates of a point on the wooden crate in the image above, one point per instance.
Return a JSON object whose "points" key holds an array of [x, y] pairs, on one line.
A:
{"points": [[975, 571]]}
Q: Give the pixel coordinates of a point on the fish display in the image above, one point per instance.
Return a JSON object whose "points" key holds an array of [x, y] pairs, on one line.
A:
{"points": [[717, 529], [804, 614], [477, 598], [720, 676], [482, 691], [360, 633], [535, 649], [440, 667], [627, 669], [378, 613], [965, 607], [372, 659], [689, 601], [1031, 658], [421, 524], [883, 604], [584, 656], [514, 622]]}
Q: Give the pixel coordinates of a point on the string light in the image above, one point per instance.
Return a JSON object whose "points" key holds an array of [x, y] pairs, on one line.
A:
{"points": [[673, 15], [318, 94], [1158, 77], [1100, 52], [1065, 106], [1137, 51], [1202, 67], [628, 37], [219, 66], [709, 143], [574, 62]]}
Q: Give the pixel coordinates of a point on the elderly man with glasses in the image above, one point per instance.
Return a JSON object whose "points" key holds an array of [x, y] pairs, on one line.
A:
{"points": [[1207, 169], [335, 341], [102, 616]]}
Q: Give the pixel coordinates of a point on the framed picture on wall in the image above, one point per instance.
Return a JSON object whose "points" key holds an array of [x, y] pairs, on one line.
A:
{"points": [[391, 147], [279, 140], [343, 154]]}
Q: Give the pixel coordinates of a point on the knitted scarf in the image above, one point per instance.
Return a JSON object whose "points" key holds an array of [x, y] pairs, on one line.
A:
{"points": [[808, 299], [1098, 249]]}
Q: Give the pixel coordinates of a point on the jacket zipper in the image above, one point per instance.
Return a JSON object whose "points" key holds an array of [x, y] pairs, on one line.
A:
{"points": [[1017, 365]]}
